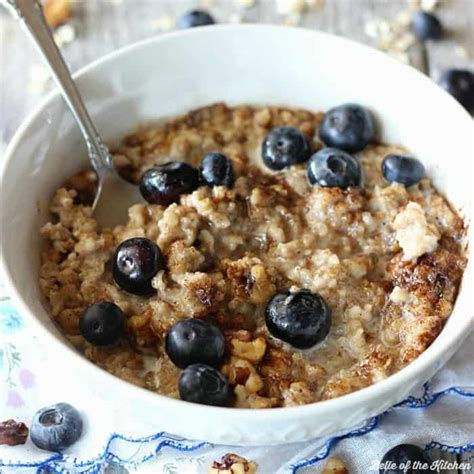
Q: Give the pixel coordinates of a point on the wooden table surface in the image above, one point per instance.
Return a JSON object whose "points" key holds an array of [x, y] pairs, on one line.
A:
{"points": [[102, 26]]}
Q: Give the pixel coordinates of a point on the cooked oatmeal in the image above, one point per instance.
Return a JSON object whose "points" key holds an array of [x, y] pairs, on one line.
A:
{"points": [[387, 259]]}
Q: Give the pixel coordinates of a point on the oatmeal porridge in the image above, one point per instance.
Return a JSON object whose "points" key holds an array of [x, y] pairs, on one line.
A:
{"points": [[303, 281]]}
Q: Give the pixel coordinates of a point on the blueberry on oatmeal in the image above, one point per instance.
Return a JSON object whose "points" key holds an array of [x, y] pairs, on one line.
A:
{"points": [[426, 26], [283, 147], [216, 170], [460, 84], [195, 18], [192, 341], [200, 383], [349, 127], [301, 318], [402, 169], [400, 459], [164, 184], [333, 168], [56, 427], [102, 323], [136, 261], [229, 253]]}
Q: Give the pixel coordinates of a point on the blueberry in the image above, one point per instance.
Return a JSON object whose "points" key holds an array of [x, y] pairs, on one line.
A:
{"points": [[56, 427], [164, 184], [333, 168], [195, 18], [136, 261], [426, 26], [283, 147], [102, 323], [460, 84], [216, 170], [349, 127], [192, 341], [401, 459], [201, 383], [302, 319], [402, 169]]}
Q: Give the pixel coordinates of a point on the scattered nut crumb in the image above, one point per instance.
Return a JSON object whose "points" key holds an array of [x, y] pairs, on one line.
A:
{"points": [[335, 466], [57, 12], [232, 463], [13, 433]]}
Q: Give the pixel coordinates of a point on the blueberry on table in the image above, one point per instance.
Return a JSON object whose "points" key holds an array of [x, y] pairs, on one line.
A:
{"points": [[216, 170], [302, 319], [192, 341], [102, 323], [460, 84], [405, 458], [349, 127], [402, 169], [201, 383], [426, 26], [195, 18], [164, 184], [136, 261], [283, 147], [333, 168], [56, 427]]}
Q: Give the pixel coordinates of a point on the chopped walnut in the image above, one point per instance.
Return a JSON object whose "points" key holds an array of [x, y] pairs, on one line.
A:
{"points": [[252, 351], [244, 399], [13, 433], [297, 394], [232, 463], [335, 466], [242, 372], [57, 12]]}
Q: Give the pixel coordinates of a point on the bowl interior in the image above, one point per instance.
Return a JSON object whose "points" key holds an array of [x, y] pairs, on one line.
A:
{"points": [[172, 74]]}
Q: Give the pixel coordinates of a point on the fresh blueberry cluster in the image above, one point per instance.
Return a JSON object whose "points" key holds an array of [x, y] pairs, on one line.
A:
{"points": [[299, 318], [197, 346], [164, 184], [345, 129]]}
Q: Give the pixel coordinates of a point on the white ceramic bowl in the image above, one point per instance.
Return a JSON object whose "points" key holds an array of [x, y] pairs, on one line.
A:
{"points": [[174, 73]]}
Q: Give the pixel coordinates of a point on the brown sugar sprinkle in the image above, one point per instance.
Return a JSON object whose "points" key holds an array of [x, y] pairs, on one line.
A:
{"points": [[13, 433]]}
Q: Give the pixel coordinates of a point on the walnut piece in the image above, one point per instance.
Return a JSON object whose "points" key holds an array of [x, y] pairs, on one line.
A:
{"points": [[57, 12], [335, 466], [232, 463], [242, 372], [13, 433], [252, 351]]}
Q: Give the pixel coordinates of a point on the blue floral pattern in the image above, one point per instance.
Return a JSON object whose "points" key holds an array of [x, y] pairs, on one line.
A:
{"points": [[10, 320]]}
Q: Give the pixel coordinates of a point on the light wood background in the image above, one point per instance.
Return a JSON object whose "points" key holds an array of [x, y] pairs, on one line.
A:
{"points": [[102, 26]]}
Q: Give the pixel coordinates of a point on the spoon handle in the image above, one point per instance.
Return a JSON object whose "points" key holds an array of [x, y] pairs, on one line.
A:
{"points": [[31, 16]]}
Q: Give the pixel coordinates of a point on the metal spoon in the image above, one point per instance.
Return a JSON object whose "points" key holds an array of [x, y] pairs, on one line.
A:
{"points": [[114, 194]]}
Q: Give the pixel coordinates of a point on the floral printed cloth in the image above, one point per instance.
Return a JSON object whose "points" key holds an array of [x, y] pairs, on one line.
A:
{"points": [[440, 416]]}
